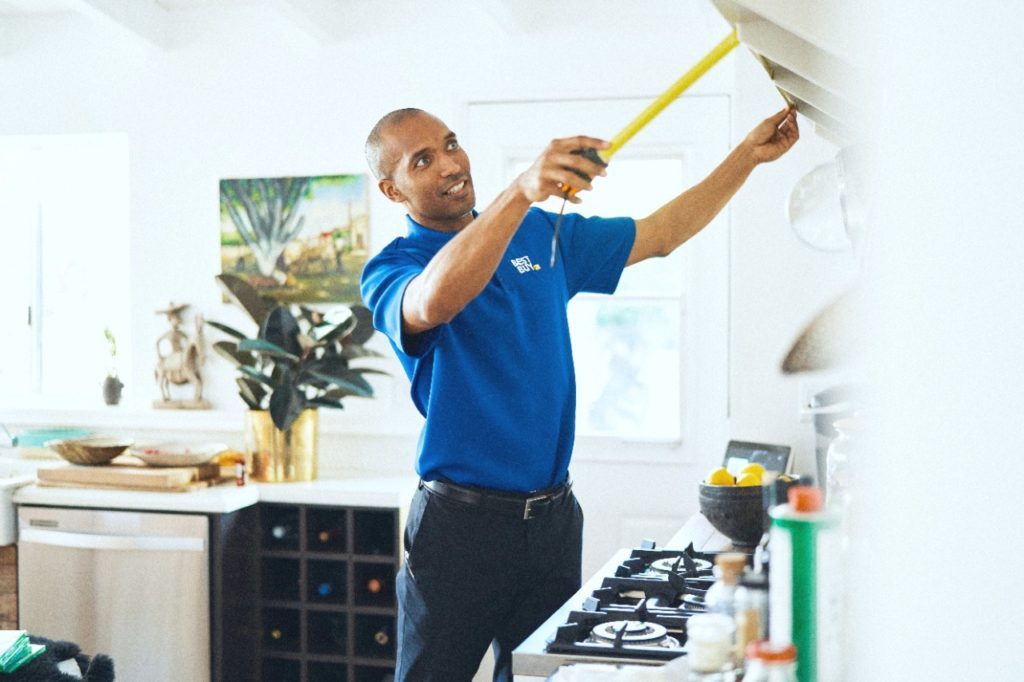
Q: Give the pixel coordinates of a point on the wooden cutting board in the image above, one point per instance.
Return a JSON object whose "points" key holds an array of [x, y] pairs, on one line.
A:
{"points": [[194, 485], [130, 475]]}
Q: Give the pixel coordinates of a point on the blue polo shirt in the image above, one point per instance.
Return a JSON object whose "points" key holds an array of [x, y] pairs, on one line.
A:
{"points": [[496, 384]]}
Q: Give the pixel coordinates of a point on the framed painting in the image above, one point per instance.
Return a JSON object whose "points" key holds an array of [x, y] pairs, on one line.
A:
{"points": [[296, 239]]}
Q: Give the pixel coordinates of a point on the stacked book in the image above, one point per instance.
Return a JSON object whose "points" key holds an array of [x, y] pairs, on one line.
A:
{"points": [[16, 651]]}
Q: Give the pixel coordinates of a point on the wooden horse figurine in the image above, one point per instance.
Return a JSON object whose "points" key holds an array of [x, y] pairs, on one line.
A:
{"points": [[180, 360]]}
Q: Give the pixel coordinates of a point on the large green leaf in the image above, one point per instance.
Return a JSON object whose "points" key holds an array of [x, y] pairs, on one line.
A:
{"points": [[351, 381], [285, 404], [230, 331], [327, 363], [336, 394], [352, 351], [282, 329], [259, 376], [370, 370], [246, 295], [364, 330], [252, 392], [326, 334], [310, 316], [264, 347], [229, 350], [324, 401]]}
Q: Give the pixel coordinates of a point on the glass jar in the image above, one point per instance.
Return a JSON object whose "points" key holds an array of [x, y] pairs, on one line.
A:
{"points": [[751, 601], [721, 596], [727, 571], [768, 662], [709, 645], [837, 463]]}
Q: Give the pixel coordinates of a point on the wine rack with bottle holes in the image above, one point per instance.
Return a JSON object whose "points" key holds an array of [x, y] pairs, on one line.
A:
{"points": [[327, 593]]}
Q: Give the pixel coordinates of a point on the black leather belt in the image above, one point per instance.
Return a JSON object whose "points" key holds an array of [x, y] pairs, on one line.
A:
{"points": [[528, 505]]}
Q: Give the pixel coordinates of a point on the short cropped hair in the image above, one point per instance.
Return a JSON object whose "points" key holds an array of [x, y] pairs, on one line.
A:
{"points": [[374, 148]]}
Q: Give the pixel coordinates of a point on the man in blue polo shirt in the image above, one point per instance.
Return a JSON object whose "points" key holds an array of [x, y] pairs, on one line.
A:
{"points": [[477, 316]]}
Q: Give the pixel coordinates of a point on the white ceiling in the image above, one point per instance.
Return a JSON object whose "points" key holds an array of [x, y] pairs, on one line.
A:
{"points": [[158, 22], [154, 21], [27, 7], [21, 7], [166, 23]]}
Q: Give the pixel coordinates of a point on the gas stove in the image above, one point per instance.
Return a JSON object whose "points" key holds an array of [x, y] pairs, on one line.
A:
{"points": [[634, 611], [640, 612]]}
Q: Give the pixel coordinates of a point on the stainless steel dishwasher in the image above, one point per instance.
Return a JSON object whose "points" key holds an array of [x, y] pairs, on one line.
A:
{"points": [[132, 585]]}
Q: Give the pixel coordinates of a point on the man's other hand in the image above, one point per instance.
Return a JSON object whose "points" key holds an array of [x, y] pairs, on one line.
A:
{"points": [[773, 136]]}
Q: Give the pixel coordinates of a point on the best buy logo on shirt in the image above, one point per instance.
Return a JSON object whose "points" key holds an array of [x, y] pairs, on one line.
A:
{"points": [[523, 264]]}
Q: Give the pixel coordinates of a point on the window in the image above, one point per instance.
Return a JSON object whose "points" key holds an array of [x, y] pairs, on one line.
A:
{"points": [[654, 354], [64, 212], [628, 369]]}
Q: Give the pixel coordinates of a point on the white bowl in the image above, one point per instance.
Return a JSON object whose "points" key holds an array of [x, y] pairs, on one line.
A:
{"points": [[176, 454]]}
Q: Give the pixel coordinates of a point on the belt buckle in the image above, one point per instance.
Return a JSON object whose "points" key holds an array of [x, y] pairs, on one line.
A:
{"points": [[528, 506]]}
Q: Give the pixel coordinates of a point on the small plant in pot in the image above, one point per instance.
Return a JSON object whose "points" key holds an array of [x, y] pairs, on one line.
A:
{"points": [[112, 383], [298, 361]]}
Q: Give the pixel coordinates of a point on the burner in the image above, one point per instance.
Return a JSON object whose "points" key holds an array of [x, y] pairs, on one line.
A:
{"points": [[669, 564], [640, 611], [633, 633]]}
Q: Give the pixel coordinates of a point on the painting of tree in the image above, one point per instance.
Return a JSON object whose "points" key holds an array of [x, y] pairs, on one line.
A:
{"points": [[296, 239]]}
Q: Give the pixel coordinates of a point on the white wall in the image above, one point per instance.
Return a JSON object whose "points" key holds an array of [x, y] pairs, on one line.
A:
{"points": [[938, 494], [778, 283], [242, 94]]}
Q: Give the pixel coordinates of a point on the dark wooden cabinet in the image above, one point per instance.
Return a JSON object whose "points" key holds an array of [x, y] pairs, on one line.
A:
{"points": [[233, 588], [327, 607]]}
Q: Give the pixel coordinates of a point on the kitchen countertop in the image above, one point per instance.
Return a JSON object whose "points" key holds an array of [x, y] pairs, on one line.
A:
{"points": [[219, 499], [356, 490], [530, 658]]}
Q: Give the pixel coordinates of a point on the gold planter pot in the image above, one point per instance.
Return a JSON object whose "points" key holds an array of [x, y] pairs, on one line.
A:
{"points": [[274, 456]]}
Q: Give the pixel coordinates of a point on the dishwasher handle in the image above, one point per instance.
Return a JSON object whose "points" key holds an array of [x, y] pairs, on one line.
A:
{"points": [[58, 538]]}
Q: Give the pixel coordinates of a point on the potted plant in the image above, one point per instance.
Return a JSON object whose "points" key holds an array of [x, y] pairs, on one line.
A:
{"points": [[298, 362], [112, 383]]}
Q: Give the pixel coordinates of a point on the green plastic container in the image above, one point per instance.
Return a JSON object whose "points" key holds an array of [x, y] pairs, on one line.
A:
{"points": [[805, 586]]}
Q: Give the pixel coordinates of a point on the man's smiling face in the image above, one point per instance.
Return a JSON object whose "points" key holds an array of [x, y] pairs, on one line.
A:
{"points": [[429, 173]]}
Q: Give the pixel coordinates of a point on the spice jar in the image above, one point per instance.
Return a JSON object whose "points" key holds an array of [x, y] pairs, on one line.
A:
{"points": [[751, 601], [768, 662], [720, 597], [709, 643]]}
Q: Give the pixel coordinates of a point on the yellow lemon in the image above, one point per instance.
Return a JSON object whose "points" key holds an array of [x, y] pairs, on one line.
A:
{"points": [[750, 478], [753, 468], [720, 476]]}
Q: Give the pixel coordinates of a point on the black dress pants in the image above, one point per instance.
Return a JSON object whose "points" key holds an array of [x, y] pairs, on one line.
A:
{"points": [[475, 577]]}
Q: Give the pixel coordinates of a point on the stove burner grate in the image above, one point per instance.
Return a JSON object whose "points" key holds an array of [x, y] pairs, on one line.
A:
{"points": [[629, 632], [675, 565]]}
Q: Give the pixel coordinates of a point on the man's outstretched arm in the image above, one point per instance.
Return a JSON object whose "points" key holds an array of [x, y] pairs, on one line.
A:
{"points": [[684, 216]]}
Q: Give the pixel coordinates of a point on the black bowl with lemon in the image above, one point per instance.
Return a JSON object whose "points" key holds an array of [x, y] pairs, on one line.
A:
{"points": [[736, 506]]}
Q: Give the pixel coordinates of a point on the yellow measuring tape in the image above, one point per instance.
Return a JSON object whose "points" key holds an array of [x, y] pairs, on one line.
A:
{"points": [[647, 115], [674, 91]]}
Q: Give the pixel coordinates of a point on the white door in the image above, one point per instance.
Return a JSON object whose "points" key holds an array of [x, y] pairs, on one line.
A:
{"points": [[652, 360]]}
